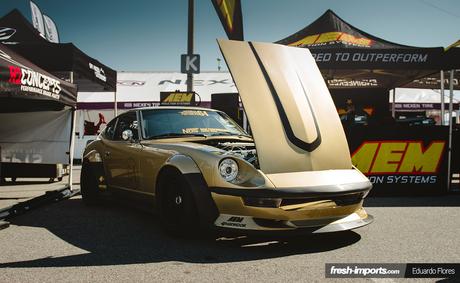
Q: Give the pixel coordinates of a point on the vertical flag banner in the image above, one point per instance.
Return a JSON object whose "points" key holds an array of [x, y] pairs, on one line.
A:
{"points": [[230, 15], [50, 29], [37, 18]]}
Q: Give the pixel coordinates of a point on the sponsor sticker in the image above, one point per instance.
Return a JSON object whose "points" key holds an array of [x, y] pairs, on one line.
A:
{"points": [[32, 81], [177, 98]]}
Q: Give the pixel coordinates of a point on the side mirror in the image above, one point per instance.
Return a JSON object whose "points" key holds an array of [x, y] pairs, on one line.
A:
{"points": [[127, 135]]}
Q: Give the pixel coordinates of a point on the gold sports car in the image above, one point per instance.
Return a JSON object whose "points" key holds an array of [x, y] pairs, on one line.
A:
{"points": [[199, 169]]}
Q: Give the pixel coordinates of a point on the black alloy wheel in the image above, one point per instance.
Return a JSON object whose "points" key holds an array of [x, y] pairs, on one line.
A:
{"points": [[89, 184], [176, 205]]}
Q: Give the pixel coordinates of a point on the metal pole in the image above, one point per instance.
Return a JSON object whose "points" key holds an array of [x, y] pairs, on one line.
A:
{"points": [[72, 141], [191, 4], [442, 98], [72, 147], [115, 105], [449, 157], [393, 106]]}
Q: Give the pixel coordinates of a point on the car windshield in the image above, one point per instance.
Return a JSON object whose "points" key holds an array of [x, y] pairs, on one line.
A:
{"points": [[166, 123]]}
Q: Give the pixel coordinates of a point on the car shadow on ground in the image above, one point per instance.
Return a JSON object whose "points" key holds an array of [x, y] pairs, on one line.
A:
{"points": [[114, 235], [448, 200]]}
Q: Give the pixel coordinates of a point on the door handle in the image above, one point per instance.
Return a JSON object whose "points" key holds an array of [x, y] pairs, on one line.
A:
{"points": [[107, 153]]}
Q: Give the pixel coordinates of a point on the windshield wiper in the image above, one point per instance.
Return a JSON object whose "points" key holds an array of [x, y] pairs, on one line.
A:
{"points": [[174, 135], [230, 134]]}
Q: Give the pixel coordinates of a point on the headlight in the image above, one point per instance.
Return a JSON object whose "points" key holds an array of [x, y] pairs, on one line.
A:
{"points": [[228, 169]]}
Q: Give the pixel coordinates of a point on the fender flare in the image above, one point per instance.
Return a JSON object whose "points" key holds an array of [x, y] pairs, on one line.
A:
{"points": [[207, 209]]}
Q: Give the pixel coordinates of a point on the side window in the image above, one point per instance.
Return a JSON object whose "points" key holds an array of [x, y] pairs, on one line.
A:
{"points": [[125, 122], [110, 129]]}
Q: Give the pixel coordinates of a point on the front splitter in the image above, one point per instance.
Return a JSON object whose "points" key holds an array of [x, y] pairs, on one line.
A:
{"points": [[329, 228]]}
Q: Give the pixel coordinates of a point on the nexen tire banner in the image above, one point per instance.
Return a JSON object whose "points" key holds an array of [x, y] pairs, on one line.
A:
{"points": [[401, 159]]}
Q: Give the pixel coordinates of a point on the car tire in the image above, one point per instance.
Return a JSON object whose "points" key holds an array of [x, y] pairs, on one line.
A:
{"points": [[177, 206], [89, 185]]}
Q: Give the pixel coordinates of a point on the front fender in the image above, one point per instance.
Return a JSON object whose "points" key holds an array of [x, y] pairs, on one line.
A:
{"points": [[183, 163], [206, 207], [92, 156]]}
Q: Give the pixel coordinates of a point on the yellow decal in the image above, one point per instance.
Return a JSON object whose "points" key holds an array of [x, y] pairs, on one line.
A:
{"points": [[203, 130], [331, 37], [194, 113], [403, 157], [178, 97]]}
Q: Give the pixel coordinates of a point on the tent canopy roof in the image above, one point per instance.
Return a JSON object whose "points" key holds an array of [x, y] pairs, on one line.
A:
{"points": [[60, 59], [333, 31], [351, 58], [26, 87]]}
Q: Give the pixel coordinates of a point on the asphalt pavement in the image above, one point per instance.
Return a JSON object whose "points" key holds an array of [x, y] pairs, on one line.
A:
{"points": [[69, 242]]}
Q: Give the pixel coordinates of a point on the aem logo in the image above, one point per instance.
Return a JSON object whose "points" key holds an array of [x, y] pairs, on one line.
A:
{"points": [[178, 97], [401, 157], [333, 36]]}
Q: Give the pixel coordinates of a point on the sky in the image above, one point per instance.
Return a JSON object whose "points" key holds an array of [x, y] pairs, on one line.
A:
{"points": [[150, 35]]}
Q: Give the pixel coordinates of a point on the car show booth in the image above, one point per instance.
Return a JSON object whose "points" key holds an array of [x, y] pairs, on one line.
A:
{"points": [[360, 70], [63, 60], [37, 113]]}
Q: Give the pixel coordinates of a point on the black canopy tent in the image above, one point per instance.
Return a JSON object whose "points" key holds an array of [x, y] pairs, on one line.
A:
{"points": [[36, 110], [350, 58], [358, 65], [64, 60]]}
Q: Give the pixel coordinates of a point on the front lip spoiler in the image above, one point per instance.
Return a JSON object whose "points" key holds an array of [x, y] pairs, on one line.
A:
{"points": [[302, 192], [345, 226], [329, 228]]}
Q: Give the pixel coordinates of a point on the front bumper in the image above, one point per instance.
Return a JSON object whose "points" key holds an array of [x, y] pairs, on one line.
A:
{"points": [[343, 224], [314, 209]]}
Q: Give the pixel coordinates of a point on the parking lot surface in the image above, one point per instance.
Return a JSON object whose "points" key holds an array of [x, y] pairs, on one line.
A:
{"points": [[69, 242]]}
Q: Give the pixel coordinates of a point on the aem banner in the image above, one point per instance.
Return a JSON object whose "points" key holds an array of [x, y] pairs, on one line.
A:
{"points": [[401, 159], [177, 98]]}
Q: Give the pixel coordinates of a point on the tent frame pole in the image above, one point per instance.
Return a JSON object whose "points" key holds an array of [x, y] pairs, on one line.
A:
{"points": [[442, 98], [393, 105], [72, 141], [115, 104], [449, 156], [190, 42]]}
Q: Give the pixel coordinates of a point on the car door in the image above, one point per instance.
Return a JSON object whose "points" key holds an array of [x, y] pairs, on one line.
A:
{"points": [[120, 155]]}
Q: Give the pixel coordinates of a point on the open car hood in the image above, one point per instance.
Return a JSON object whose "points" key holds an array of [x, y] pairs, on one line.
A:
{"points": [[293, 119]]}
